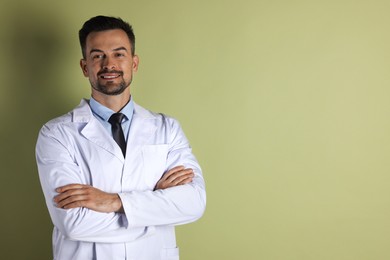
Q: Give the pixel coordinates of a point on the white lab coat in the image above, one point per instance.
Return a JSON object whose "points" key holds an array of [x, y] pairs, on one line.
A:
{"points": [[75, 148]]}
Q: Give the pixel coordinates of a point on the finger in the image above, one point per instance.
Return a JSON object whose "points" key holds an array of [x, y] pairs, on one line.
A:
{"points": [[179, 174], [185, 181], [71, 200], [69, 193], [177, 168], [172, 171], [76, 204], [70, 187], [179, 181], [182, 178]]}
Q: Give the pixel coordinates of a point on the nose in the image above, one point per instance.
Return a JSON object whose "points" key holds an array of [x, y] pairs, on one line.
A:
{"points": [[108, 64]]}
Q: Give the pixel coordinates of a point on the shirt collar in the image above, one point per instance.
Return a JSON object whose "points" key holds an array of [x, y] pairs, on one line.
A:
{"points": [[105, 113]]}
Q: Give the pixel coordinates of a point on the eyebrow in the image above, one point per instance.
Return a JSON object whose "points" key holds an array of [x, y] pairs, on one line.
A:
{"points": [[120, 49], [95, 50], [116, 49]]}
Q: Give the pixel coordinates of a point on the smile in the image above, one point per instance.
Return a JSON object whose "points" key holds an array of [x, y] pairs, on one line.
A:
{"points": [[109, 76]]}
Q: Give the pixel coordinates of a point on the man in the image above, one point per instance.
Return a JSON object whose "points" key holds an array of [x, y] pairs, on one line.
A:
{"points": [[116, 177]]}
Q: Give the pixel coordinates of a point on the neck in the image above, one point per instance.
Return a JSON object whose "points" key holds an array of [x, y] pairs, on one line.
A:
{"points": [[115, 103]]}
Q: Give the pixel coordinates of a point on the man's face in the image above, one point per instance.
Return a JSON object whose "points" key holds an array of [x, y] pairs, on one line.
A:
{"points": [[108, 62]]}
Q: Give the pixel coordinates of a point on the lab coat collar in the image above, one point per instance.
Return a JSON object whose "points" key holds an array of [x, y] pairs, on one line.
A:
{"points": [[83, 113], [142, 129]]}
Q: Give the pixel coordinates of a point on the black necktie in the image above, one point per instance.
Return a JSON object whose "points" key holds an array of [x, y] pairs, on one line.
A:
{"points": [[117, 132]]}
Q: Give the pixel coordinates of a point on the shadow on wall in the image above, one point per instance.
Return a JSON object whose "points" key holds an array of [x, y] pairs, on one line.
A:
{"points": [[32, 41]]}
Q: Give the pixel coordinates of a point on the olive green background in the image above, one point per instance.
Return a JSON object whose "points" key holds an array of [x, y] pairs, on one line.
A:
{"points": [[286, 105]]}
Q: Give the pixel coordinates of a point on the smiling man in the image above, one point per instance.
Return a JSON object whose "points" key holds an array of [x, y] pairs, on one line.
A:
{"points": [[116, 177]]}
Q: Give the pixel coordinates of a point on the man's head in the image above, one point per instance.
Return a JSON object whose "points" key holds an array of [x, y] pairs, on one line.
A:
{"points": [[104, 23], [108, 56]]}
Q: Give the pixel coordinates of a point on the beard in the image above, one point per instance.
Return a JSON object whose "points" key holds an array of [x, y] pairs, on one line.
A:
{"points": [[110, 88]]}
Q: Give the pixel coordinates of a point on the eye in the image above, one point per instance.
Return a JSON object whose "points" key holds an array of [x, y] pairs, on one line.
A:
{"points": [[119, 54], [97, 56]]}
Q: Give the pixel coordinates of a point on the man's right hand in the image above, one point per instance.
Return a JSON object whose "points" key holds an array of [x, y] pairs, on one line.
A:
{"points": [[178, 175]]}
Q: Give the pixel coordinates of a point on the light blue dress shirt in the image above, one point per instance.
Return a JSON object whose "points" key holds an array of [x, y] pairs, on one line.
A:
{"points": [[103, 113]]}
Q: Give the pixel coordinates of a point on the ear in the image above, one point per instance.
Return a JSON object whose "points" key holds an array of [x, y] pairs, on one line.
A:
{"points": [[135, 63], [83, 65]]}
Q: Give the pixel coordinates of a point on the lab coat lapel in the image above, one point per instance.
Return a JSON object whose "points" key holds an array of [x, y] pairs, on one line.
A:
{"points": [[142, 128], [94, 131]]}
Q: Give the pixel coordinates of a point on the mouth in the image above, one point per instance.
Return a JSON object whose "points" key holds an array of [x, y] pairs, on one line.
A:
{"points": [[110, 75]]}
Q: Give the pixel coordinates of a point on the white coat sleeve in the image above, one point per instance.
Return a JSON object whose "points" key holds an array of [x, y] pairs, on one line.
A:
{"points": [[173, 206], [57, 167]]}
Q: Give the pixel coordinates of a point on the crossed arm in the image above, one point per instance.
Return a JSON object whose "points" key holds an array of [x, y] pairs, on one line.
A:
{"points": [[79, 212], [80, 195]]}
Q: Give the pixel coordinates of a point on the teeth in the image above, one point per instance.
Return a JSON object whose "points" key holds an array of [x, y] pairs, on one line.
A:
{"points": [[109, 77]]}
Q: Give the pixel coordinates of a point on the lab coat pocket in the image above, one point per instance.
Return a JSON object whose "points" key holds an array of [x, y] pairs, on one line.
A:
{"points": [[170, 253], [154, 161]]}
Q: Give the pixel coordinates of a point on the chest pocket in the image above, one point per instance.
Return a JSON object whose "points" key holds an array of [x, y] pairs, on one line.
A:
{"points": [[154, 161]]}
